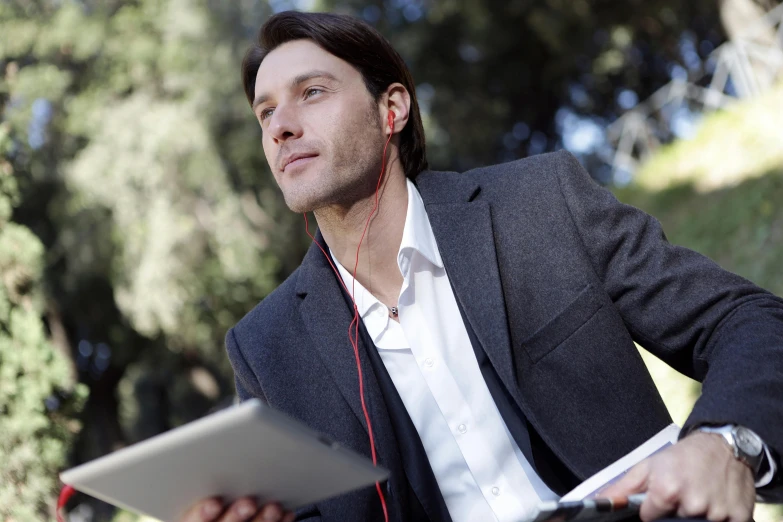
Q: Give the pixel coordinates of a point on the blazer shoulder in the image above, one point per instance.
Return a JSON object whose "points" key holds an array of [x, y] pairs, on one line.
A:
{"points": [[269, 316], [528, 169], [537, 175], [537, 179]]}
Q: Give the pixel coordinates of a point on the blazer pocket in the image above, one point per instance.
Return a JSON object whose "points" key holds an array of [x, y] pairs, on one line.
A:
{"points": [[558, 329]]}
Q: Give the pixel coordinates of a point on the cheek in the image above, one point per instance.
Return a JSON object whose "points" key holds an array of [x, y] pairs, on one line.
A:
{"points": [[269, 151], [351, 132], [345, 120]]}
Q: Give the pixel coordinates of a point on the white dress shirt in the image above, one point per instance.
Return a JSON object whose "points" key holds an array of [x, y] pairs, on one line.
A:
{"points": [[480, 470]]}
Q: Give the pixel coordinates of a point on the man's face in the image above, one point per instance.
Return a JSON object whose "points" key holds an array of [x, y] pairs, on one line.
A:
{"points": [[323, 136]]}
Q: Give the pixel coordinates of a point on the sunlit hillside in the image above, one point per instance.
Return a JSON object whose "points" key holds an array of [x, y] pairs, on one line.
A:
{"points": [[720, 193]]}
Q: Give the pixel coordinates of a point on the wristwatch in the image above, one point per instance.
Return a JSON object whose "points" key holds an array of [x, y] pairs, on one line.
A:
{"points": [[747, 446]]}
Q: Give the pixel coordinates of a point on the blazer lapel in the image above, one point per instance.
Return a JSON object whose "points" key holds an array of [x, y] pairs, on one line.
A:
{"points": [[327, 314], [463, 231]]}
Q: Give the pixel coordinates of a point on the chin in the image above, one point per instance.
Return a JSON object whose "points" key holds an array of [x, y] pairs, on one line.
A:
{"points": [[302, 202], [296, 204], [298, 194], [308, 195], [299, 208]]}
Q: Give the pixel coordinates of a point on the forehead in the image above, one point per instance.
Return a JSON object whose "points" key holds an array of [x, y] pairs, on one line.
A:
{"points": [[295, 58]]}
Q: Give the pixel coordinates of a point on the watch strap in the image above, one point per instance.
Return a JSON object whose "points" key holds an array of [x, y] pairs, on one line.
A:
{"points": [[764, 470]]}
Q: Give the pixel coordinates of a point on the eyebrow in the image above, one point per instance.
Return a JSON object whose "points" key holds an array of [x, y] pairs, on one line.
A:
{"points": [[298, 80]]}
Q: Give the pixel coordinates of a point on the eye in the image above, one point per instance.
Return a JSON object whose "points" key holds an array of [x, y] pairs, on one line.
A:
{"points": [[311, 91], [266, 113]]}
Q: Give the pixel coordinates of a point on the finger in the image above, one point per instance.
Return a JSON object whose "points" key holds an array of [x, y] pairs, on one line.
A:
{"points": [[741, 497], [290, 517], [240, 511], [740, 514], [662, 499], [270, 513], [635, 481], [695, 504], [205, 511], [716, 513]]}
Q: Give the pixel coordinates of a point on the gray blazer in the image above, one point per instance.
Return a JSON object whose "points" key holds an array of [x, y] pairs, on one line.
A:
{"points": [[557, 280]]}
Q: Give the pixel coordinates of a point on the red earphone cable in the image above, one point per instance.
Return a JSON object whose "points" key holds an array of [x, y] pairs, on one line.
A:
{"points": [[65, 494], [68, 491], [353, 328]]}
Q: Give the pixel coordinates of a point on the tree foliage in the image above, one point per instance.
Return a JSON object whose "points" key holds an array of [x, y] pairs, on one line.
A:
{"points": [[140, 172], [39, 398], [504, 79]]}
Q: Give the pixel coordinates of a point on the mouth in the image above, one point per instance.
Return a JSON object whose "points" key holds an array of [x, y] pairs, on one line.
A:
{"points": [[297, 160]]}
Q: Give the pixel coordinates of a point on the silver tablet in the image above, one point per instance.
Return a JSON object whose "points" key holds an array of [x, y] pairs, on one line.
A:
{"points": [[249, 449]]}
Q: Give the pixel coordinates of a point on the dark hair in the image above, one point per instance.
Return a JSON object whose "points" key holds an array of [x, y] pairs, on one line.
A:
{"points": [[360, 45]]}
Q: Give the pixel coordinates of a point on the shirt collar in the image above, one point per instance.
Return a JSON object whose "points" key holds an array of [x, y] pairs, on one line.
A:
{"points": [[365, 301], [417, 235]]}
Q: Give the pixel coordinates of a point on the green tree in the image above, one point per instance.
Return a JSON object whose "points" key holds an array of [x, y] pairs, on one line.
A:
{"points": [[39, 397], [140, 170], [500, 76]]}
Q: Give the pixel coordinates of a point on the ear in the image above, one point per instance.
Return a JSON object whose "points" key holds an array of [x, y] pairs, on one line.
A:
{"points": [[397, 100]]}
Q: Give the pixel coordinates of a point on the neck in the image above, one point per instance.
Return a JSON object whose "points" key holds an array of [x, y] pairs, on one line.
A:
{"points": [[343, 226]]}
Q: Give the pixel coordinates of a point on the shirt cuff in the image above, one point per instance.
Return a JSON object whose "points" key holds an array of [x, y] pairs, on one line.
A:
{"points": [[767, 477]]}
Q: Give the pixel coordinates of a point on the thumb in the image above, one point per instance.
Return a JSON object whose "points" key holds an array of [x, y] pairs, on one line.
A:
{"points": [[635, 481]]}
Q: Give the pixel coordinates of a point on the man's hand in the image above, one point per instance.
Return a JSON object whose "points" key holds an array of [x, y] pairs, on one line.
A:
{"points": [[697, 477], [242, 510]]}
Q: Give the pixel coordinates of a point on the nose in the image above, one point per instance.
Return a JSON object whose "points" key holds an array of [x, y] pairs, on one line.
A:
{"points": [[284, 124]]}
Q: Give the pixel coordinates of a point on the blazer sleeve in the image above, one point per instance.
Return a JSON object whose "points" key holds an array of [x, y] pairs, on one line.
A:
{"points": [[705, 322], [246, 383], [248, 387]]}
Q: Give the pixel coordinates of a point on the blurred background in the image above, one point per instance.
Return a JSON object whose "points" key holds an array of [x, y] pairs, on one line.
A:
{"points": [[138, 219]]}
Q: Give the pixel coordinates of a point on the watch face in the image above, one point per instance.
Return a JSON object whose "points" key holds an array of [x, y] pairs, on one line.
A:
{"points": [[748, 442]]}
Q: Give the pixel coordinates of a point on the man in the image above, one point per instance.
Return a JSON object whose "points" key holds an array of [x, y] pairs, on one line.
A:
{"points": [[498, 312]]}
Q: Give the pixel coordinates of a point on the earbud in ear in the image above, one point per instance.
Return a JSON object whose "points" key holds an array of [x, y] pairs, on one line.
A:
{"points": [[391, 119]]}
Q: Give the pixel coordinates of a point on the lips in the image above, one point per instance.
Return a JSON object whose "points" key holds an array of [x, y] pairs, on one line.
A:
{"points": [[295, 159]]}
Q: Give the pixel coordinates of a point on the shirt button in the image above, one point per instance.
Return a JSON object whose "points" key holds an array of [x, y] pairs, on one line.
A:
{"points": [[429, 362], [496, 491], [462, 428]]}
